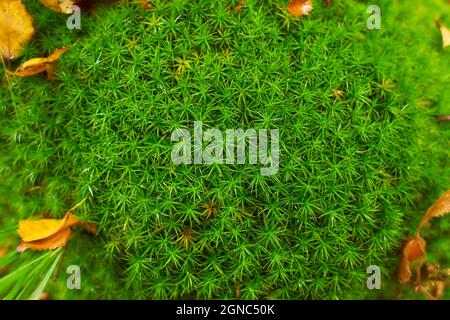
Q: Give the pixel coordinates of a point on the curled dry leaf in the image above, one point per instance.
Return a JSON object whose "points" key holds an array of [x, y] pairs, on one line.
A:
{"points": [[16, 28], [49, 234], [54, 241], [300, 8], [438, 209], [30, 230], [62, 6], [39, 65], [413, 257]]}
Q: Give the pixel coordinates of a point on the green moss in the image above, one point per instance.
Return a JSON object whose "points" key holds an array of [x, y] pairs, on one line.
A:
{"points": [[351, 166]]}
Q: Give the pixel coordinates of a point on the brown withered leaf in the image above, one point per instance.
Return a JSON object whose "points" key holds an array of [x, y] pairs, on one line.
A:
{"points": [[440, 208], [62, 6], [39, 65], [16, 28], [413, 257], [300, 8]]}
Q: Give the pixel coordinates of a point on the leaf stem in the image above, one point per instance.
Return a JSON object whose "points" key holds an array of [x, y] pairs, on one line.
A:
{"points": [[77, 205]]}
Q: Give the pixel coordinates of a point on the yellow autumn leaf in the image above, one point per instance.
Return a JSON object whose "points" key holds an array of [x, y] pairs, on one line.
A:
{"points": [[52, 242], [30, 230], [39, 65], [300, 8], [16, 28], [62, 6], [49, 234], [439, 208]]}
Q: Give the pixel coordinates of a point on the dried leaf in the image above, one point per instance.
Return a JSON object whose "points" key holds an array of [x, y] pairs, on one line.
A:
{"points": [[438, 209], [30, 230], [54, 241], [62, 6], [48, 234], [413, 257], [16, 28], [300, 8], [39, 65]]}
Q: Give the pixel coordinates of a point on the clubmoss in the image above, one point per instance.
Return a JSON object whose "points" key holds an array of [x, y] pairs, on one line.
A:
{"points": [[357, 144]]}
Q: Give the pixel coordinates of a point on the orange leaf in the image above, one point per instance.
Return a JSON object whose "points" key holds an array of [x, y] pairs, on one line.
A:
{"points": [[438, 209], [48, 234], [413, 256], [16, 28], [39, 65], [300, 8], [41, 229], [54, 241], [62, 6]]}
